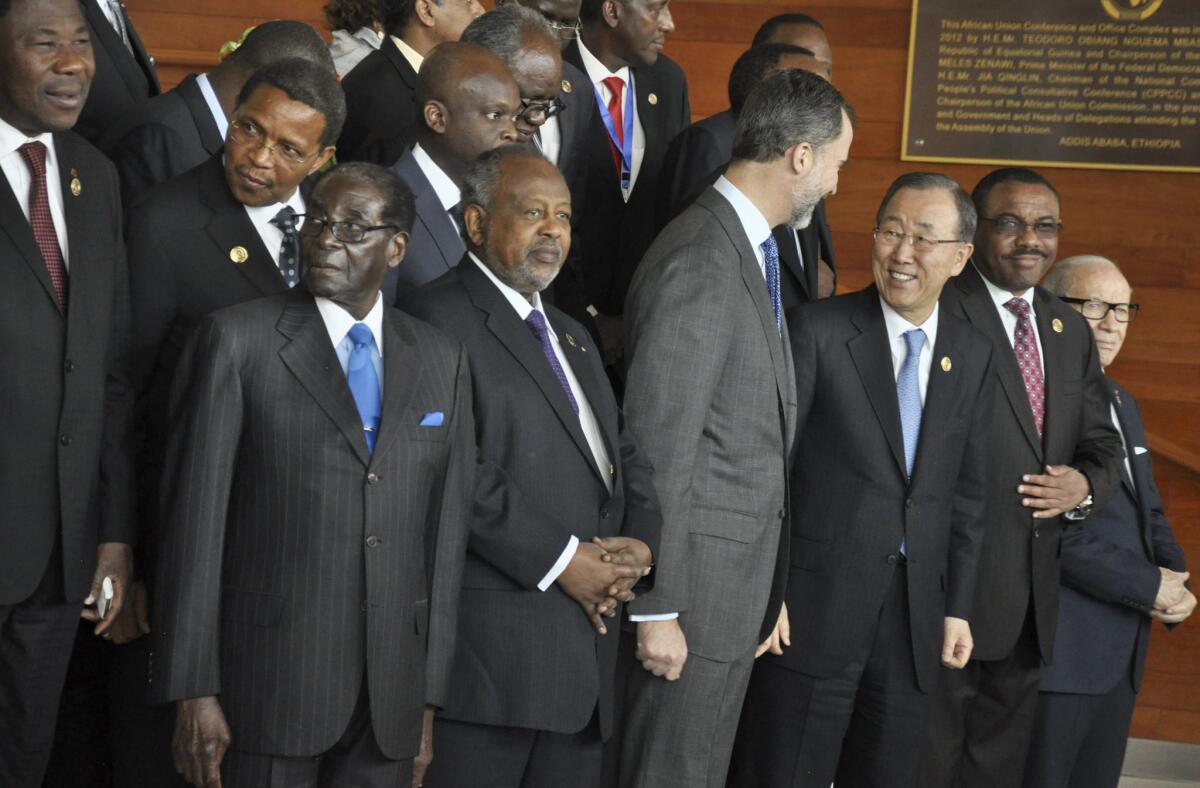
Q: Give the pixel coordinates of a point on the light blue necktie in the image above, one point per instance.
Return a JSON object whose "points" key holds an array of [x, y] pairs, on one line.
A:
{"points": [[364, 381], [771, 268], [908, 391]]}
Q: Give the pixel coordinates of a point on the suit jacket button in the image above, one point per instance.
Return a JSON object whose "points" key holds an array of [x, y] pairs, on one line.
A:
{"points": [[603, 512], [362, 606], [69, 365], [1037, 533], [65, 440], [372, 541], [782, 513], [891, 559], [372, 478], [908, 503]]}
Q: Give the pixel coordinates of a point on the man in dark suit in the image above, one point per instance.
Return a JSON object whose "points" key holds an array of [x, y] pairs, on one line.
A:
{"points": [[125, 76], [887, 516], [1121, 571], [172, 133], [469, 103], [314, 589], [711, 396], [642, 101], [564, 504], [66, 489], [383, 111], [1053, 454]]}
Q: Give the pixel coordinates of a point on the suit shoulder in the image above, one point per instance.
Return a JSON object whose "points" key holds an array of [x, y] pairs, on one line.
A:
{"points": [[438, 301], [176, 198], [428, 336], [668, 71]]}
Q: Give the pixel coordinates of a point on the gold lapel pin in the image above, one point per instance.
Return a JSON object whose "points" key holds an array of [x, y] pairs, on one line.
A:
{"points": [[946, 365], [1117, 397], [612, 470], [570, 340], [652, 98], [239, 255], [1056, 324], [566, 86], [76, 185]]}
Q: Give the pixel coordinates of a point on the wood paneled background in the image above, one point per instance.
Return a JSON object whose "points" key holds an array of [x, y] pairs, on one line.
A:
{"points": [[1149, 222]]}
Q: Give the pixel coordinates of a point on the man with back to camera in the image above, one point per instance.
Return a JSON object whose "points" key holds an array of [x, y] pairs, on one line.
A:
{"points": [[315, 506], [1121, 571], [1053, 456]]}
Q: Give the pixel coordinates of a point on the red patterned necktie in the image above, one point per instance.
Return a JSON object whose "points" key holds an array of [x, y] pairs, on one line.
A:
{"points": [[34, 154], [616, 86], [1029, 360]]}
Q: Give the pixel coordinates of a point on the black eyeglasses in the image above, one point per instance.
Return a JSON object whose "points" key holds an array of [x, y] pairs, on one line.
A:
{"points": [[568, 29], [346, 232], [1098, 310], [1012, 226], [540, 110]]}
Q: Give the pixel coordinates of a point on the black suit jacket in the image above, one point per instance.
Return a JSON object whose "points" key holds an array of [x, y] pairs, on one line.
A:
{"points": [[1020, 561], [123, 80], [296, 564], [162, 138], [434, 245], [381, 108], [853, 501], [528, 658], [181, 268], [66, 395], [615, 233], [1110, 575], [702, 148]]}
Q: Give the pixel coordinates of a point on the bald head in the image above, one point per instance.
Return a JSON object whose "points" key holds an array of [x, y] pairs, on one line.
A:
{"points": [[1097, 279]]}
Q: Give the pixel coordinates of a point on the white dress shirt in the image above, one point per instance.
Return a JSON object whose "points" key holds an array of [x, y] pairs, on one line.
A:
{"points": [[753, 222], [19, 178], [272, 236], [414, 58], [1112, 410], [587, 418], [549, 140], [597, 72], [110, 13], [447, 190], [214, 106], [896, 328], [1000, 296], [338, 323]]}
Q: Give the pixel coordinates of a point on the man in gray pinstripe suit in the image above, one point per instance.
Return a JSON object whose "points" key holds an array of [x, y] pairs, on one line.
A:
{"points": [[312, 547]]}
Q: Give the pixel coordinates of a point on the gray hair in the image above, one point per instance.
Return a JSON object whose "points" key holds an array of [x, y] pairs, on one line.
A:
{"points": [[787, 108], [481, 179], [503, 30], [924, 181], [1060, 275]]}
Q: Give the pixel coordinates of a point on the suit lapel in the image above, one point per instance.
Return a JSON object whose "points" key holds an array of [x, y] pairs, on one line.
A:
{"points": [[230, 228], [14, 224], [786, 239], [575, 350], [130, 70], [401, 371], [311, 358], [1132, 433], [76, 214], [430, 213], [1052, 359], [399, 62], [873, 360], [981, 311], [193, 98], [943, 391]]}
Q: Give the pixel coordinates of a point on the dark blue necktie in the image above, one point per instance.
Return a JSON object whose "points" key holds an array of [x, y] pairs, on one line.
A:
{"points": [[289, 250], [364, 381], [537, 324], [771, 268]]}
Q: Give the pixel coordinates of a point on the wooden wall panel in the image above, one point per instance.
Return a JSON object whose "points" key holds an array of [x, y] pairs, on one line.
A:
{"points": [[1147, 221]]}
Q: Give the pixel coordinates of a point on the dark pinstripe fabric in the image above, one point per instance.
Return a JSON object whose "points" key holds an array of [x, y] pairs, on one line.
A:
{"points": [[527, 658], [291, 558]]}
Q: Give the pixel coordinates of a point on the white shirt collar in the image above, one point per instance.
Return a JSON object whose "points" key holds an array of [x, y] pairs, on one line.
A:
{"points": [[338, 321], [753, 222], [897, 324], [447, 190], [518, 301], [214, 106], [414, 58], [263, 214], [596, 70], [1001, 296], [11, 138]]}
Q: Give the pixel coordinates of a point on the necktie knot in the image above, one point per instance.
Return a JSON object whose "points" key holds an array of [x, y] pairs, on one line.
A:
{"points": [[538, 324], [363, 339], [915, 339], [615, 85], [285, 220], [34, 154], [1019, 307]]}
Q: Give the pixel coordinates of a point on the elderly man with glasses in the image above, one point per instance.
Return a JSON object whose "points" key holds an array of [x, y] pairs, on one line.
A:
{"points": [[1120, 573]]}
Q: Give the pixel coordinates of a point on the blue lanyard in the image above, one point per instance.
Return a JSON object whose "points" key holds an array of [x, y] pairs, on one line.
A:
{"points": [[625, 148]]}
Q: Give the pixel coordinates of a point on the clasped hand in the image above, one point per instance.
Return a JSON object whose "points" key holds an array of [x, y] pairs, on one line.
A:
{"points": [[1060, 489], [602, 574], [1174, 601]]}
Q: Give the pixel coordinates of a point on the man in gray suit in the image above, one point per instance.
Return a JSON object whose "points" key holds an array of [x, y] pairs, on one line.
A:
{"points": [[316, 498], [711, 398]]}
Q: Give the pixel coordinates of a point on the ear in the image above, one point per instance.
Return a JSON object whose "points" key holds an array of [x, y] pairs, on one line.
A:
{"points": [[474, 217], [396, 249], [802, 157], [610, 12], [322, 159], [423, 12], [964, 254], [435, 114]]}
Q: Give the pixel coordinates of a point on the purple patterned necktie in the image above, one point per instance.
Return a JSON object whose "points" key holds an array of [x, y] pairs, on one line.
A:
{"points": [[34, 154], [537, 324], [1029, 360]]}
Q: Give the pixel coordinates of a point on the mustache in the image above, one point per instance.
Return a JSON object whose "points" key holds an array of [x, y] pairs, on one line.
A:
{"points": [[1027, 251], [552, 246]]}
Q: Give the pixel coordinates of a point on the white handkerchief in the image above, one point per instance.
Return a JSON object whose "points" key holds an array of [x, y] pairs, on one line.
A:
{"points": [[1139, 449]]}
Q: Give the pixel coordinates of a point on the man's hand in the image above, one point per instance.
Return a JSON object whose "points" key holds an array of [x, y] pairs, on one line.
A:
{"points": [[1171, 589], [1059, 490], [826, 281], [662, 648], [1176, 613], [590, 580], [113, 560], [780, 636], [627, 551], [956, 643], [611, 332], [134, 619], [425, 755], [201, 739]]}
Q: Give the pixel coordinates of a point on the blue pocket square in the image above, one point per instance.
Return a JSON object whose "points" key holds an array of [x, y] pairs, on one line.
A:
{"points": [[434, 418]]}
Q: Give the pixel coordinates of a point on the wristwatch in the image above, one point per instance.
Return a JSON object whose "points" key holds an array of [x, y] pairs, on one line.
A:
{"points": [[1081, 510]]}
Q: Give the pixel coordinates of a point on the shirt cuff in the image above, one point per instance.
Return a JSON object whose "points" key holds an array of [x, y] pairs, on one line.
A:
{"points": [[560, 565], [655, 617]]}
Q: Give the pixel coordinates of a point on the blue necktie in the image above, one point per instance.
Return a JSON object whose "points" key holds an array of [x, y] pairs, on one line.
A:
{"points": [[364, 381], [771, 268], [537, 324], [908, 390]]}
